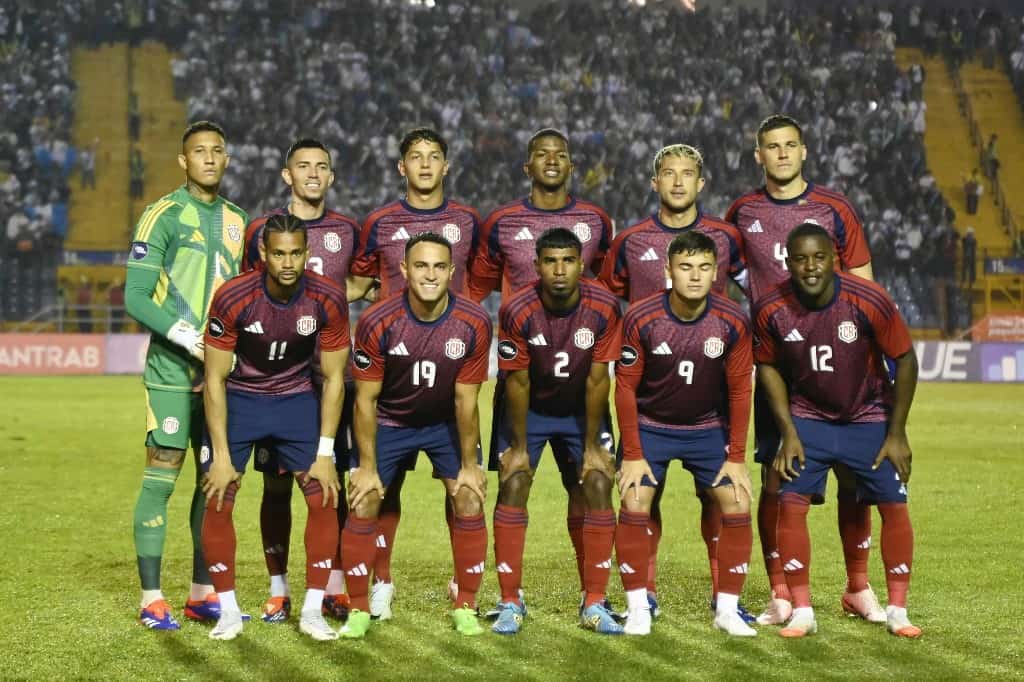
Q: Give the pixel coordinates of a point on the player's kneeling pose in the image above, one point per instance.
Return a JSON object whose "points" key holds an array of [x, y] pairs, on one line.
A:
{"points": [[274, 320], [683, 387]]}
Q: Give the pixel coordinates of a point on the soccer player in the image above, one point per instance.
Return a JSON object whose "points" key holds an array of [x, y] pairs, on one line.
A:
{"points": [[822, 336], [273, 320], [635, 269], [385, 232], [185, 246], [419, 360], [683, 392], [506, 252], [333, 239], [764, 218], [556, 340]]}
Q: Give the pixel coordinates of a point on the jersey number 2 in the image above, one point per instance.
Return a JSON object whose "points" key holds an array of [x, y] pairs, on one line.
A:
{"points": [[561, 362]]}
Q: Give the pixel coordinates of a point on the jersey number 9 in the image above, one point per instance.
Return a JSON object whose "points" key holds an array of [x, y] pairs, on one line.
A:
{"points": [[686, 370]]}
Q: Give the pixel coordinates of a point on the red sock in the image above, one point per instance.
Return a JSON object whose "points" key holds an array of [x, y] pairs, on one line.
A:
{"points": [[219, 542], [897, 550], [710, 530], [342, 514], [387, 526], [598, 540], [632, 547], [767, 522], [321, 536], [795, 546], [734, 542], [469, 547], [357, 553], [509, 540], [855, 532], [654, 540], [276, 530], [575, 525]]}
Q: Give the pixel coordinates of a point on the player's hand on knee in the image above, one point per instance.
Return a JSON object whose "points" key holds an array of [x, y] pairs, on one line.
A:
{"points": [[218, 478], [323, 470], [896, 448], [631, 475], [512, 461], [597, 458], [740, 477], [362, 483], [473, 478], [790, 449]]}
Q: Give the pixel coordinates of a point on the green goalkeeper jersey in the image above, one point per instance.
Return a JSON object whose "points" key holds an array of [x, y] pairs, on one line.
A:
{"points": [[182, 251]]}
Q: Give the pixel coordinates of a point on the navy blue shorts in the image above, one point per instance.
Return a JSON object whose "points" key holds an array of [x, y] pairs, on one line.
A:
{"points": [[766, 431], [566, 435], [856, 446], [701, 451], [290, 424], [268, 461], [398, 447]]}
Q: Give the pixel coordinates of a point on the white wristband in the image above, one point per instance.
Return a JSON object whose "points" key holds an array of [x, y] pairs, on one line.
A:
{"points": [[326, 447]]}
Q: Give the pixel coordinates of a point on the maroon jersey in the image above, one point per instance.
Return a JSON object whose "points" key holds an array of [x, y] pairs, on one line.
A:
{"points": [[832, 358], [386, 231], [274, 342], [508, 243], [558, 348], [684, 375], [764, 223], [333, 240], [635, 265], [418, 362]]}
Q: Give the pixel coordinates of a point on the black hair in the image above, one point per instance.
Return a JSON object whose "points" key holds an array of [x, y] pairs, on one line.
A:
{"points": [[807, 230], [559, 238], [430, 238], [202, 127], [692, 242], [306, 143], [776, 121], [546, 132], [422, 134], [283, 222]]}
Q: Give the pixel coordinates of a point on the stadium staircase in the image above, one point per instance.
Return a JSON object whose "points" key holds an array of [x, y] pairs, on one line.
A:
{"points": [[949, 127]]}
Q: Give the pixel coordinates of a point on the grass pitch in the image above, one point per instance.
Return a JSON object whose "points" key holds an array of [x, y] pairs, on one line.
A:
{"points": [[71, 463]]}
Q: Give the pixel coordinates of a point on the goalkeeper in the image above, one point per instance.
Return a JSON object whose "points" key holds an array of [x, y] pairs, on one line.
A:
{"points": [[185, 246]]}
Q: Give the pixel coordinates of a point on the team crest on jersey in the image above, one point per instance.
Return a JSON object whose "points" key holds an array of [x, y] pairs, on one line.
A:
{"points": [[234, 233], [713, 347], [629, 356], [455, 348], [451, 232], [847, 331], [306, 325], [139, 250], [361, 359], [332, 242], [507, 350], [583, 338], [204, 454], [582, 230], [171, 425]]}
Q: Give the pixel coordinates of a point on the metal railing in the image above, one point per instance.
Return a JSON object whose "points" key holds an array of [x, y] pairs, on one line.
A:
{"points": [[82, 319]]}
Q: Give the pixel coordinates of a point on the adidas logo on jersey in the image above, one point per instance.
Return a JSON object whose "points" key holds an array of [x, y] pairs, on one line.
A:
{"points": [[742, 568], [662, 349], [538, 340], [524, 235], [794, 335], [504, 568], [755, 227], [255, 328], [399, 349], [326, 563], [649, 254], [902, 569], [792, 565], [358, 570], [479, 568], [400, 234], [382, 542], [217, 568]]}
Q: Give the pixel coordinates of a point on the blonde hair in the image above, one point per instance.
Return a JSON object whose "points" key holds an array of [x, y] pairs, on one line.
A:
{"points": [[683, 151]]}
